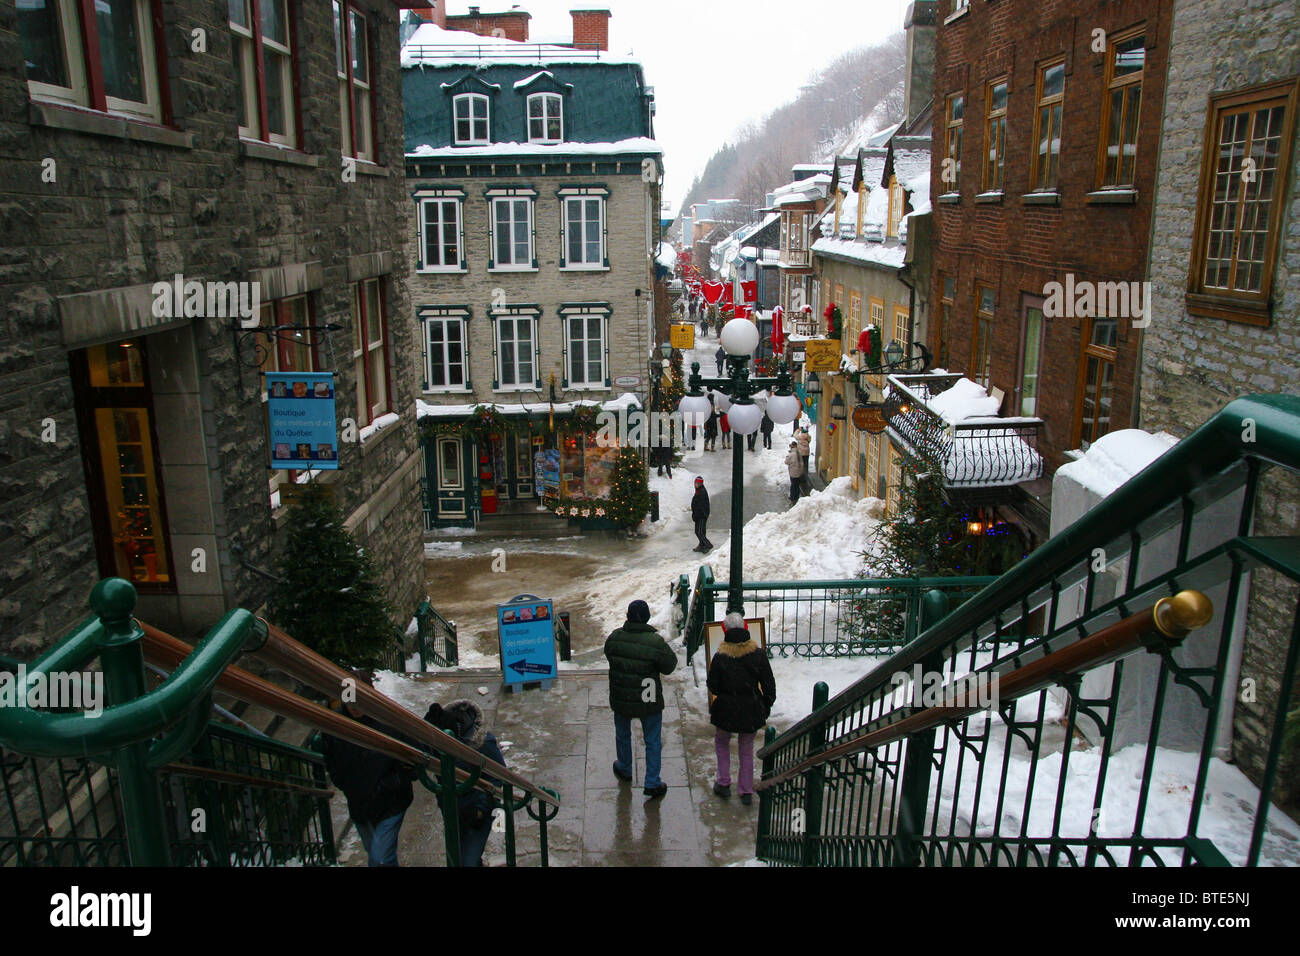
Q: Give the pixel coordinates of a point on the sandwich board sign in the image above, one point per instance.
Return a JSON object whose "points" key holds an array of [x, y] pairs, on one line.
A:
{"points": [[526, 636]]}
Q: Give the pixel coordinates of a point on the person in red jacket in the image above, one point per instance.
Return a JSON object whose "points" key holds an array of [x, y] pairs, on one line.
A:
{"points": [[725, 426]]}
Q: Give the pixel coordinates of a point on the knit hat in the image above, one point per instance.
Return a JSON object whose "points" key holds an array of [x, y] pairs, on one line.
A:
{"points": [[638, 612], [699, 479]]}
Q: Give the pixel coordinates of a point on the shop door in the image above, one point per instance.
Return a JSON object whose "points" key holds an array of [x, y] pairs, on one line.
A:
{"points": [[445, 458], [512, 467]]}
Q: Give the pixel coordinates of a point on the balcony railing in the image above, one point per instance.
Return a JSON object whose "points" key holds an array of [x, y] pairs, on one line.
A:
{"points": [[974, 452]]}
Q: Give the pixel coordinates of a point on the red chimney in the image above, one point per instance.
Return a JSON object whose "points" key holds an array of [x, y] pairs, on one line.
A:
{"points": [[590, 29]]}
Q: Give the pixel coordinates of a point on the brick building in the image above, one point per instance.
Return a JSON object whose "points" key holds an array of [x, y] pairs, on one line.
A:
{"points": [[535, 181], [1226, 312], [239, 144], [1046, 133]]}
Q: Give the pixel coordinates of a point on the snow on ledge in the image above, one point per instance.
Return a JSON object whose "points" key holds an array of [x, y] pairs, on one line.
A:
{"points": [[424, 410], [379, 424], [635, 145], [1115, 458]]}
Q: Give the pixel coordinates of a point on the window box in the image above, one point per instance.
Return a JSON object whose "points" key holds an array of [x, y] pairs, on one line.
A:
{"points": [[1048, 197], [1112, 197], [993, 196]]}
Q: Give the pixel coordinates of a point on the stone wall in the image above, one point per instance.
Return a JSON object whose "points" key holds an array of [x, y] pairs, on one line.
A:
{"points": [[133, 204], [1192, 366]]}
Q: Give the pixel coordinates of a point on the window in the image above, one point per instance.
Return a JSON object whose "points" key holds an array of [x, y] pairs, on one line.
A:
{"points": [[877, 309], [952, 144], [116, 416], [286, 345], [585, 341], [441, 225], [109, 62], [1047, 126], [947, 303], [895, 207], [903, 329], [444, 351], [369, 350], [271, 118], [584, 232], [854, 325], [352, 64], [449, 470], [512, 233], [1125, 57], [470, 111], [1031, 355], [515, 352], [545, 118], [995, 136], [1097, 382], [982, 353], [1238, 220]]}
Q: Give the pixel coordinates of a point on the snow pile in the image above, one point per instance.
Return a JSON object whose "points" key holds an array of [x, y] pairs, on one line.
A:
{"points": [[667, 256], [380, 423], [820, 538], [1115, 458], [965, 399]]}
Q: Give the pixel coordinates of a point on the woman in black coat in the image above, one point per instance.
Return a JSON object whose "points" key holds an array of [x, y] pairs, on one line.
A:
{"points": [[742, 691]]}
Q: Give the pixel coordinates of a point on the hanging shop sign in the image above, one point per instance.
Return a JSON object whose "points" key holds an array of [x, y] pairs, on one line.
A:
{"points": [[300, 410], [870, 418], [821, 355], [628, 381], [526, 636], [682, 336]]}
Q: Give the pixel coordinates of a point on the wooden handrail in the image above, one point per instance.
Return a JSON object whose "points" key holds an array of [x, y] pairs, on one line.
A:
{"points": [[1172, 617], [244, 779], [167, 651]]}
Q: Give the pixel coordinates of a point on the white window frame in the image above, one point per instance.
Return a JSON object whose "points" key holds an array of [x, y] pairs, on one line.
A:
{"points": [[77, 92], [451, 482], [470, 100], [424, 199], [516, 315], [545, 100], [249, 73], [585, 313], [497, 198], [459, 317], [582, 195]]}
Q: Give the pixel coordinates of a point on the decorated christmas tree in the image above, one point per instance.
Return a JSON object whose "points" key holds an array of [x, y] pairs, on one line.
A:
{"points": [[629, 493], [328, 597]]}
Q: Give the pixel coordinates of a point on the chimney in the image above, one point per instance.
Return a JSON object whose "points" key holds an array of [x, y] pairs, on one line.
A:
{"points": [[435, 12], [919, 23], [590, 29]]}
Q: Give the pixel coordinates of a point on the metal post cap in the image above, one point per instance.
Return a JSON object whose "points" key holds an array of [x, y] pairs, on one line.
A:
{"points": [[1183, 613]]}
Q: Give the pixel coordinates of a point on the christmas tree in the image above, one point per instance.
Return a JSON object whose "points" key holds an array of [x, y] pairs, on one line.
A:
{"points": [[925, 537], [629, 495], [327, 596]]}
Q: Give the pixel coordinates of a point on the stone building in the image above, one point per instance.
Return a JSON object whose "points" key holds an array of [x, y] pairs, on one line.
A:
{"points": [[1046, 131], [1225, 315], [250, 150], [534, 180]]}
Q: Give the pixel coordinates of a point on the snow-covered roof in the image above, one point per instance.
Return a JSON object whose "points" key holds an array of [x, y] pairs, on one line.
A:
{"points": [[802, 190], [426, 410], [1115, 458], [540, 74], [637, 145], [432, 45], [892, 254], [666, 256]]}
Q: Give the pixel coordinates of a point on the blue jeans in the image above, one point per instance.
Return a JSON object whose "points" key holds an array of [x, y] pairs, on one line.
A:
{"points": [[473, 840], [652, 727], [380, 839]]}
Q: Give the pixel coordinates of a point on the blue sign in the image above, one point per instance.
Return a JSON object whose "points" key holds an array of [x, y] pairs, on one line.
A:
{"points": [[300, 406], [526, 631]]}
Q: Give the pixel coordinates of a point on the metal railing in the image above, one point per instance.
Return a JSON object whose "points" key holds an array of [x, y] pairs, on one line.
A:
{"points": [[430, 628], [973, 453], [851, 618], [1114, 762], [458, 52]]}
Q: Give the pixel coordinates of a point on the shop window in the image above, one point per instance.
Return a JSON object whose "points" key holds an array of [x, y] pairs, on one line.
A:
{"points": [[116, 419]]}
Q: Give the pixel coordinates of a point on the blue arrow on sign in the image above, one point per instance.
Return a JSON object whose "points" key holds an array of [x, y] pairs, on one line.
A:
{"points": [[523, 666]]}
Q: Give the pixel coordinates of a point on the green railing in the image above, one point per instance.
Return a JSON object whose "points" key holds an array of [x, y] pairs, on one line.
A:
{"points": [[848, 618], [1108, 766], [432, 627]]}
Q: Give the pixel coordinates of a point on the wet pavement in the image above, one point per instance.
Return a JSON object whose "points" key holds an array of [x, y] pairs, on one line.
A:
{"points": [[563, 738]]}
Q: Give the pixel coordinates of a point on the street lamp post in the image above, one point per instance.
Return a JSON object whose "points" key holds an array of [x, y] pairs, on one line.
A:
{"points": [[739, 338]]}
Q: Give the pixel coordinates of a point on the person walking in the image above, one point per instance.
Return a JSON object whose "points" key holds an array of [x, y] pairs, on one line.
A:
{"points": [[805, 446], [750, 439], [742, 691], [700, 515], [637, 656], [377, 787], [720, 356], [711, 428], [725, 427], [463, 719], [794, 465], [765, 428]]}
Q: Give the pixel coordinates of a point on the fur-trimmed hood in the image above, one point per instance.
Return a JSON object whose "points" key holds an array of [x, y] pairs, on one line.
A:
{"points": [[464, 719], [732, 649]]}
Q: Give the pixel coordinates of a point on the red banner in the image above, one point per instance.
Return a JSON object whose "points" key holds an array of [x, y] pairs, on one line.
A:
{"points": [[713, 291], [749, 289]]}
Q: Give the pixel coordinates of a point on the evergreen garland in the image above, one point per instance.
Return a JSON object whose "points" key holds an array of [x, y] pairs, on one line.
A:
{"points": [[328, 597]]}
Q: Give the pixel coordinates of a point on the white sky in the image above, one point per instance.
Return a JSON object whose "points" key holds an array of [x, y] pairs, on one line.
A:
{"points": [[716, 64]]}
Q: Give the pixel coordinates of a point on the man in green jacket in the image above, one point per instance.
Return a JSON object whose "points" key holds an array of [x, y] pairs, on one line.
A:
{"points": [[637, 656]]}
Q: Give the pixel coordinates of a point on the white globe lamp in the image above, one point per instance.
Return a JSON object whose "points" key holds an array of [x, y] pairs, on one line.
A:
{"points": [[721, 402], [783, 409], [694, 410], [740, 337], [745, 419]]}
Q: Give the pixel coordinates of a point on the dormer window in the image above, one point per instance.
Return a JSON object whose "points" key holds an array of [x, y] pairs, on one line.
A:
{"points": [[545, 118], [471, 119]]}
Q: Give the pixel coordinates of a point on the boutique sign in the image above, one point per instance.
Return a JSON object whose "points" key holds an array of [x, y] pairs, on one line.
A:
{"points": [[300, 408]]}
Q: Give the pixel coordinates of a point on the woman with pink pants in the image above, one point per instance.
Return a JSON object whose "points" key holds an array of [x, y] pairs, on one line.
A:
{"points": [[742, 691]]}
